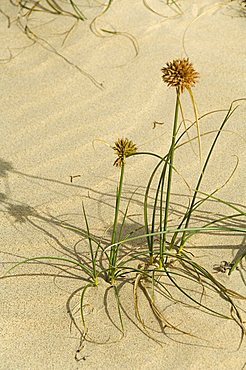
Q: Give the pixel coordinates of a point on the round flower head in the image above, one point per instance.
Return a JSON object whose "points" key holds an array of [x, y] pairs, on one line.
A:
{"points": [[123, 148], [180, 73]]}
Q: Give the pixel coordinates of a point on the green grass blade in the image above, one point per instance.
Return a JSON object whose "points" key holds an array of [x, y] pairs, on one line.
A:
{"points": [[229, 113], [84, 268], [93, 260], [81, 304]]}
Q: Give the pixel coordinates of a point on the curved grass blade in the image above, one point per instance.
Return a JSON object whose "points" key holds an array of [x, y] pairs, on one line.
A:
{"points": [[84, 268], [236, 261], [77, 10], [128, 36], [189, 213], [93, 27], [93, 260], [119, 309], [81, 304]]}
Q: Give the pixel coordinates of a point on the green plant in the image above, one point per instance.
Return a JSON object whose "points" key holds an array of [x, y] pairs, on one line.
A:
{"points": [[164, 264]]}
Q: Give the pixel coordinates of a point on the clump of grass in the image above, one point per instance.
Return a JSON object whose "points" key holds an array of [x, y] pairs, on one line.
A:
{"points": [[165, 263]]}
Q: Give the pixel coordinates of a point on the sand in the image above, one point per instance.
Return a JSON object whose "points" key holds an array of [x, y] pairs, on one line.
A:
{"points": [[54, 107]]}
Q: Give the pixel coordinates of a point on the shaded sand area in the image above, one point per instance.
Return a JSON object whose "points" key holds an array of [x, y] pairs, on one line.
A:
{"points": [[64, 98]]}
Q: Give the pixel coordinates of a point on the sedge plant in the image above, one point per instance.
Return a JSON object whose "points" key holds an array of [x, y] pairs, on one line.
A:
{"points": [[165, 265], [181, 75], [123, 149]]}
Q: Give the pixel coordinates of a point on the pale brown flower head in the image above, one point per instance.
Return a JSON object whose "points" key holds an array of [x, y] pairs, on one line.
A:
{"points": [[123, 148], [180, 73]]}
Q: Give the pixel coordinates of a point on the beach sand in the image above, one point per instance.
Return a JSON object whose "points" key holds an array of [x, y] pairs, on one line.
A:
{"points": [[61, 107]]}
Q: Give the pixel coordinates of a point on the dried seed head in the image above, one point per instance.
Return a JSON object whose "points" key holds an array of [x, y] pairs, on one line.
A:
{"points": [[180, 73], [123, 148]]}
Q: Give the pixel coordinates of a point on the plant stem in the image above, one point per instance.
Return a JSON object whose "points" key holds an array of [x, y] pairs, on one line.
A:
{"points": [[189, 213], [146, 223], [114, 248], [170, 171], [93, 259]]}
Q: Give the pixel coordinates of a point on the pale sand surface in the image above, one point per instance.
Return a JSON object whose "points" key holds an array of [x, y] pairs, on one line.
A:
{"points": [[50, 115]]}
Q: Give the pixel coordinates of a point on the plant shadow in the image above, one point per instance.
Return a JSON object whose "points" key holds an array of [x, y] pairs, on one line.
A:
{"points": [[51, 226]]}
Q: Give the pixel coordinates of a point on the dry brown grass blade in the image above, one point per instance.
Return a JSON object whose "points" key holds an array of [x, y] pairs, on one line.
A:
{"points": [[6, 16], [135, 295], [128, 36], [156, 311], [46, 45], [155, 12], [185, 127], [93, 24], [69, 31], [161, 317], [137, 312]]}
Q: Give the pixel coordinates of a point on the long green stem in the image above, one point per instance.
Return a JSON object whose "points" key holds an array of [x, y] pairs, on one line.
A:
{"points": [[194, 205], [146, 196], [114, 248], [162, 182], [158, 190], [170, 171], [194, 230], [188, 215], [93, 259]]}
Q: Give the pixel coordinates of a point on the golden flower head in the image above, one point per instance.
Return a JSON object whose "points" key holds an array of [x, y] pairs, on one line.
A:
{"points": [[123, 148], [180, 73]]}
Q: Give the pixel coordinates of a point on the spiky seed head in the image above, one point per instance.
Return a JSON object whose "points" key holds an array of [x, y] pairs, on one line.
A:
{"points": [[180, 73], [123, 148]]}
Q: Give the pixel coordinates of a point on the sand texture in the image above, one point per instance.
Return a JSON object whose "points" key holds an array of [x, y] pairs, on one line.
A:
{"points": [[63, 103]]}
